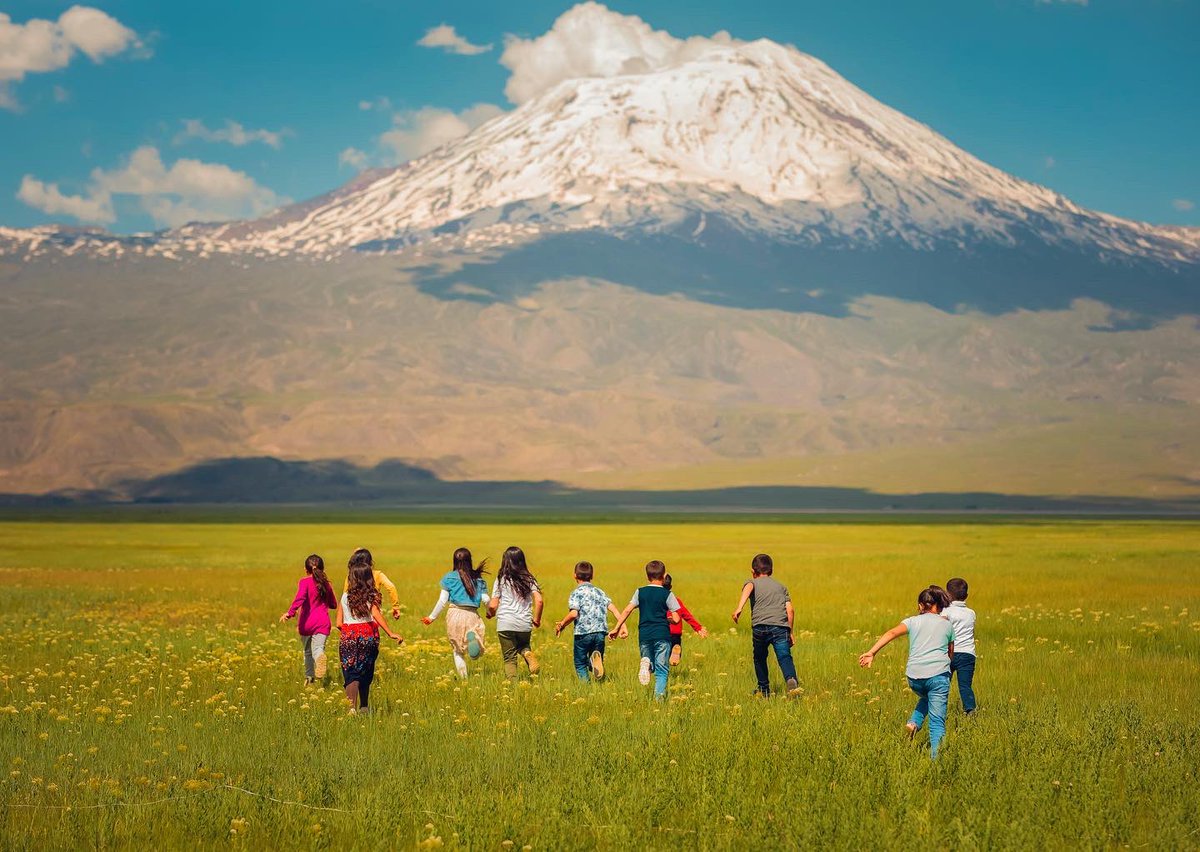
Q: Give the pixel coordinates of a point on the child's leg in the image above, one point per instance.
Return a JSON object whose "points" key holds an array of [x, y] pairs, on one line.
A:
{"points": [[320, 661], [306, 645], [364, 693], [352, 694], [582, 666], [783, 656], [526, 652], [938, 697], [508, 648], [460, 665], [964, 666], [662, 668], [920, 687], [760, 644]]}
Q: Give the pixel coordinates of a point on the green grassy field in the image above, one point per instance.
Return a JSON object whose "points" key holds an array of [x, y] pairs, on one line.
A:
{"points": [[149, 699]]}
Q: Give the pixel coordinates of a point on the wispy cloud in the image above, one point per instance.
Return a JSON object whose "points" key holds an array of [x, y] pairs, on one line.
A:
{"points": [[1184, 205], [354, 158], [232, 133], [380, 103], [187, 190], [420, 131], [445, 37], [1048, 162], [40, 45]]}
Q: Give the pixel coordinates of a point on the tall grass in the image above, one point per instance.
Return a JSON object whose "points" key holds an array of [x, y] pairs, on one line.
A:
{"points": [[147, 697]]}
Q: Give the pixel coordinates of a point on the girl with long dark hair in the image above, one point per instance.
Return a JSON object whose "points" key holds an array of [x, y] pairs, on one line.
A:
{"points": [[360, 621], [516, 605], [314, 598], [464, 589]]}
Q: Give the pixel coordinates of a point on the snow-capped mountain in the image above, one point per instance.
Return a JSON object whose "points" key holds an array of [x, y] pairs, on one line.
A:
{"points": [[771, 140]]}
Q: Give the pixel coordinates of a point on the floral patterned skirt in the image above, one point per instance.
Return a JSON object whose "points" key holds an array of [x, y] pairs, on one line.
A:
{"points": [[358, 648]]}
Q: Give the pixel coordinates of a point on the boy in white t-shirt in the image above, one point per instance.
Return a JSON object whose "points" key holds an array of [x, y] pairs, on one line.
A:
{"points": [[963, 662]]}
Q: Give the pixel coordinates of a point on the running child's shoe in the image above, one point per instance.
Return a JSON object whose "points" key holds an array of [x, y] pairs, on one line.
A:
{"points": [[644, 672], [598, 665], [676, 653], [474, 646], [532, 662]]}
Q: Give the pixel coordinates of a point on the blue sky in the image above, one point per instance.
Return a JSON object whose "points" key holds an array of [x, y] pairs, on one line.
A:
{"points": [[1096, 99]]}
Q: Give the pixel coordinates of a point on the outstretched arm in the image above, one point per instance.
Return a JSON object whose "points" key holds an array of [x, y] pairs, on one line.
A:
{"points": [[895, 633], [381, 579], [616, 613], [443, 599], [378, 617], [567, 619], [747, 590], [625, 613], [299, 599]]}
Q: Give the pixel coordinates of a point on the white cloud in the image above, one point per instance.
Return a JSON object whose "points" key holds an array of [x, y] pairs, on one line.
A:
{"points": [[48, 198], [420, 131], [590, 40], [40, 45], [354, 158], [384, 103], [188, 190], [1184, 205], [233, 133], [445, 37], [1049, 162]]}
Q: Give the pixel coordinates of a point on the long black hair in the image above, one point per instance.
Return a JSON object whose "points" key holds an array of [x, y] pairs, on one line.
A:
{"points": [[468, 571], [315, 566], [515, 572], [361, 593]]}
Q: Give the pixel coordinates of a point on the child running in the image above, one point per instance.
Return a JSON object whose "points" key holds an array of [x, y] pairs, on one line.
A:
{"points": [[314, 599], [962, 663], [516, 605], [930, 647], [676, 627], [464, 589], [658, 607], [382, 584], [771, 620], [588, 608], [360, 621]]}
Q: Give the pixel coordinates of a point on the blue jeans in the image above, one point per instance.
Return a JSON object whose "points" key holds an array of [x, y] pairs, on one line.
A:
{"points": [[933, 693], [658, 651], [964, 666], [585, 645], [763, 638]]}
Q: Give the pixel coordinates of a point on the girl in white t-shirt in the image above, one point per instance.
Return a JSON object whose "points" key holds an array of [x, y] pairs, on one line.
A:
{"points": [[516, 605], [930, 647]]}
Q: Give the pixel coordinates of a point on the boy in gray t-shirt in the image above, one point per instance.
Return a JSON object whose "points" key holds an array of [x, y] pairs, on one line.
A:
{"points": [[771, 618]]}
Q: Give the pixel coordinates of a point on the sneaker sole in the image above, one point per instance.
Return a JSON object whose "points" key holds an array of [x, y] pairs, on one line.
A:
{"points": [[532, 662], [676, 654], [644, 672], [320, 667], [474, 649], [598, 665]]}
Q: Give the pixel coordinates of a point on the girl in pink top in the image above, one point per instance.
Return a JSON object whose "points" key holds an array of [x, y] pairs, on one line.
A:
{"points": [[314, 599]]}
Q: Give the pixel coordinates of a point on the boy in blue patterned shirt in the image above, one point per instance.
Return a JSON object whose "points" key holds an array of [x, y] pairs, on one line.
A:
{"points": [[589, 608]]}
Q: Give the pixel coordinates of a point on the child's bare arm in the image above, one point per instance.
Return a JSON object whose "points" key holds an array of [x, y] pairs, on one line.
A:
{"points": [[378, 618], [746, 590], [621, 620], [951, 650], [791, 614], [566, 619], [340, 619], [896, 632], [493, 605], [538, 604]]}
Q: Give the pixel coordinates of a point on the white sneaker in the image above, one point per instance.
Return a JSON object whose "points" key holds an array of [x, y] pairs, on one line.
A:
{"points": [[644, 672]]}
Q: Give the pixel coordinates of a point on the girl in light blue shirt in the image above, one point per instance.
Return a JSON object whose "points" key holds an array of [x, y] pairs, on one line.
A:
{"points": [[930, 647]]}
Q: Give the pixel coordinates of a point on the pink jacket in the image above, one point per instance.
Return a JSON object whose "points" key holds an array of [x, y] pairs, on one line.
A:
{"points": [[314, 612]]}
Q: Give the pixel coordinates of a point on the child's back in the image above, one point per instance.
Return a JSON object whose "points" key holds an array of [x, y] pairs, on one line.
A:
{"points": [[768, 602]]}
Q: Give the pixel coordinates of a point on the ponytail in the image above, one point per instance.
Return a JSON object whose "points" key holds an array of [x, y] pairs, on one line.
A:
{"points": [[315, 566]]}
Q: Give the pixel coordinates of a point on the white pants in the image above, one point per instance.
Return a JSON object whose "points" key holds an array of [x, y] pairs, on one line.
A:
{"points": [[314, 646]]}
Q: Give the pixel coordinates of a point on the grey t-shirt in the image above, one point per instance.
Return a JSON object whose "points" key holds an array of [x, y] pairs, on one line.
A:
{"points": [[768, 603], [929, 638]]}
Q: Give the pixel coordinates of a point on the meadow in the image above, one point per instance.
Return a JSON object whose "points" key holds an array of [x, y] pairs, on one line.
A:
{"points": [[148, 698]]}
